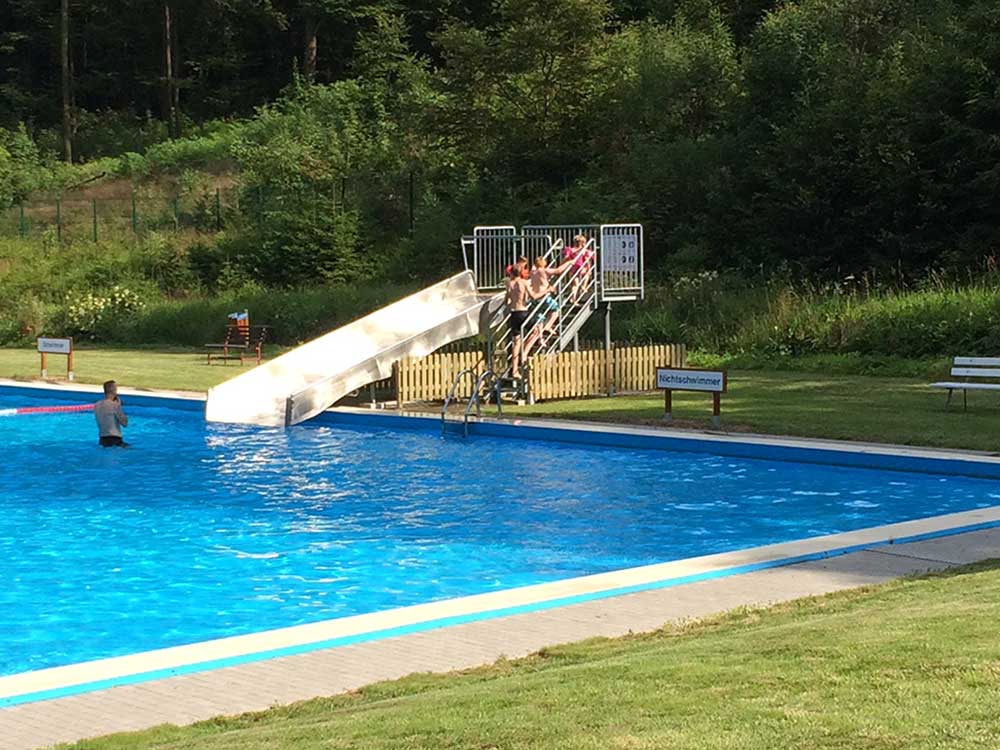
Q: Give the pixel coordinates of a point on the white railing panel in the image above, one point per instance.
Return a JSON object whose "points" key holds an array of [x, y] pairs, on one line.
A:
{"points": [[621, 262], [493, 249]]}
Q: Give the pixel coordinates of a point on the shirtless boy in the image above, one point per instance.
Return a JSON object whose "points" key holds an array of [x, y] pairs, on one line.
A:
{"points": [[519, 296]]}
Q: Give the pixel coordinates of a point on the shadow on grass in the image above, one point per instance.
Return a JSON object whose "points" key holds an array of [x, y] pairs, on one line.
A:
{"points": [[983, 566]]}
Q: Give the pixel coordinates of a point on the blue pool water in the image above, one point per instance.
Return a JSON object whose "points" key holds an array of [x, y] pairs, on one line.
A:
{"points": [[201, 531]]}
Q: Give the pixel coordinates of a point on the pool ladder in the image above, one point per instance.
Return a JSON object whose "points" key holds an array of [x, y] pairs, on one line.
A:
{"points": [[475, 398]]}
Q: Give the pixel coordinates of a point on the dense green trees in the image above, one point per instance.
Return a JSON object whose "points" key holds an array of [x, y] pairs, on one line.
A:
{"points": [[824, 136]]}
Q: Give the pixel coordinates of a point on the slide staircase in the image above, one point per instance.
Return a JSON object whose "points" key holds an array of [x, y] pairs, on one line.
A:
{"points": [[547, 332]]}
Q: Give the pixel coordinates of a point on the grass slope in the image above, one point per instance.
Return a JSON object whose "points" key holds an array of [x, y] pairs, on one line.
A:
{"points": [[911, 664]]}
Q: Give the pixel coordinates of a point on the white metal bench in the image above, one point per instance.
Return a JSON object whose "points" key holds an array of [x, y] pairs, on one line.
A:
{"points": [[971, 367]]}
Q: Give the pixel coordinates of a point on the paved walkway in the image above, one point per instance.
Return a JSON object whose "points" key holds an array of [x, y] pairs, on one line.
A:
{"points": [[250, 687]]}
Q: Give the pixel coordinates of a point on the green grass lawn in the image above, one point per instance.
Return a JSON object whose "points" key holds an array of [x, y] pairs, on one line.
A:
{"points": [[182, 370], [849, 407], [911, 664]]}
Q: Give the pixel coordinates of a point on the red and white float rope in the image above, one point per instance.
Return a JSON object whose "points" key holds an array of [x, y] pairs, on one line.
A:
{"points": [[44, 410]]}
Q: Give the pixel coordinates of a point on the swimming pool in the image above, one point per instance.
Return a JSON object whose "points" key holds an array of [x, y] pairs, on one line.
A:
{"points": [[201, 531]]}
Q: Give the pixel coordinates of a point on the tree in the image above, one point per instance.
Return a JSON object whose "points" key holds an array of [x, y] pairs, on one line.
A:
{"points": [[67, 111], [310, 18], [171, 97], [519, 91]]}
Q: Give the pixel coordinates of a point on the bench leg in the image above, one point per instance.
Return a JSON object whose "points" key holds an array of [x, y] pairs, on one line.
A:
{"points": [[948, 402], [965, 399]]}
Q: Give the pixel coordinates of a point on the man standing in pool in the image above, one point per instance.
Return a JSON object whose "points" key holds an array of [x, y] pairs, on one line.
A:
{"points": [[110, 417]]}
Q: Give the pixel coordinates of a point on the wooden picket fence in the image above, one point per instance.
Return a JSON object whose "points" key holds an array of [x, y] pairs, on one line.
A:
{"points": [[565, 375], [430, 378], [574, 374], [635, 366]]}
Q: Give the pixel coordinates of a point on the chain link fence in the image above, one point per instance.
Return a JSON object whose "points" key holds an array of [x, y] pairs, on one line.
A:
{"points": [[73, 218]]}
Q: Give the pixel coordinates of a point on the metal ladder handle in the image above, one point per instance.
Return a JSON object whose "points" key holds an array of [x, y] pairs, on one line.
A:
{"points": [[475, 398], [451, 394]]}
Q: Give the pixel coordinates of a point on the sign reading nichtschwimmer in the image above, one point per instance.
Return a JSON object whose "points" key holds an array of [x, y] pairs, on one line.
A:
{"points": [[683, 379], [671, 379], [56, 346]]}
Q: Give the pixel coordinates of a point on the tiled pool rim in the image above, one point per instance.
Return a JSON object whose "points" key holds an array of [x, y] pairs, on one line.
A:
{"points": [[225, 652]]}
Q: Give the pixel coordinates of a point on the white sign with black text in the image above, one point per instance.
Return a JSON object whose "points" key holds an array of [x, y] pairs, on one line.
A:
{"points": [[55, 346], [681, 379]]}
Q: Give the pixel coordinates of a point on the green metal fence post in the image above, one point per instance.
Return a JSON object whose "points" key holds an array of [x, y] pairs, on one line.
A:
{"points": [[177, 212], [59, 219], [218, 210], [135, 217], [22, 229], [93, 204]]}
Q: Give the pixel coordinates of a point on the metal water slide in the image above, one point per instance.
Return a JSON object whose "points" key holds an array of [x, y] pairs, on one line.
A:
{"points": [[302, 383]]}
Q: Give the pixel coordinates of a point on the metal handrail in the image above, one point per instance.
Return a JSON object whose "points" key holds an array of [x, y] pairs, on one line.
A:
{"points": [[451, 394], [572, 310], [503, 325], [476, 399]]}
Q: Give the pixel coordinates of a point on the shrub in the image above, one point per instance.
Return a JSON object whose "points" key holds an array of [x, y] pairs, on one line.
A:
{"points": [[166, 262], [99, 315], [110, 133], [210, 151], [294, 315], [20, 166], [782, 319]]}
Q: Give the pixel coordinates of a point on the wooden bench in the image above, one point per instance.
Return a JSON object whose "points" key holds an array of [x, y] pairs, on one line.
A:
{"points": [[971, 367], [240, 342]]}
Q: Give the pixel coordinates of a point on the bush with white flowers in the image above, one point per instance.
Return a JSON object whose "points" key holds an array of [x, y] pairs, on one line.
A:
{"points": [[87, 312]]}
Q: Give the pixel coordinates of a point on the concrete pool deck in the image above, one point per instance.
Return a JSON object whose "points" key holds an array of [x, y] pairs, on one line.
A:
{"points": [[260, 685]]}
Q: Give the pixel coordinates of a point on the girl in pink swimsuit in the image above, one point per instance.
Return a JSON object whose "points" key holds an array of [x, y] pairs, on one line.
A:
{"points": [[581, 257]]}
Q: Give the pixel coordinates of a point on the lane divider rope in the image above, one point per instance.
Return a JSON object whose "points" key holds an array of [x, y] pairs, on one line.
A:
{"points": [[23, 410]]}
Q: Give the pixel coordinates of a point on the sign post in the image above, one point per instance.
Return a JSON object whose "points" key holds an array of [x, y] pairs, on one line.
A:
{"points": [[57, 346], [670, 379]]}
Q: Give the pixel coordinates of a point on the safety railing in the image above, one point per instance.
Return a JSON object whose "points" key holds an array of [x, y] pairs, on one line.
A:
{"points": [[492, 249], [475, 397], [454, 389], [573, 300], [501, 323]]}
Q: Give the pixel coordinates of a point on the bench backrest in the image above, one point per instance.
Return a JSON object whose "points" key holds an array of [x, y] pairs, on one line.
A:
{"points": [[236, 335], [976, 367], [258, 334]]}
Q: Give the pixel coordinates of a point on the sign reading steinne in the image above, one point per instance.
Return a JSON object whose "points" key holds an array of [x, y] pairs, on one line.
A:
{"points": [[55, 346], [690, 380]]}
